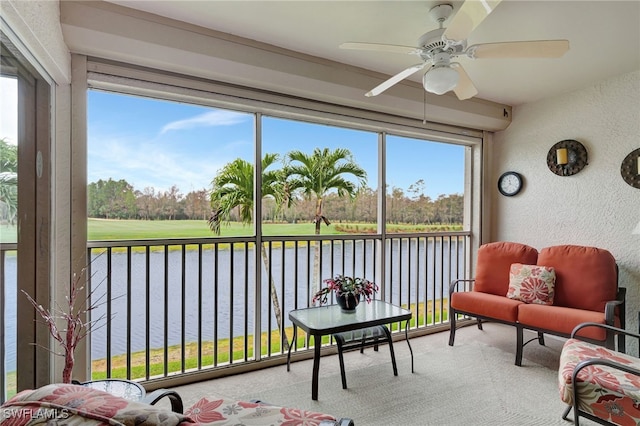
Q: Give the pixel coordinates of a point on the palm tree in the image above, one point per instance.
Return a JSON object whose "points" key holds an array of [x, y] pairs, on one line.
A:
{"points": [[9, 197], [232, 188], [318, 174], [8, 181]]}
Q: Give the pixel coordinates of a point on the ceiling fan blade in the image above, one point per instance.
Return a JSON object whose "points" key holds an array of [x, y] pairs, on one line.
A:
{"points": [[395, 79], [470, 15], [465, 88], [520, 49], [378, 47]]}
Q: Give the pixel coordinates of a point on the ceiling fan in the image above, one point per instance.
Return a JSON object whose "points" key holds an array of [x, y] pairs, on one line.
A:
{"points": [[438, 47]]}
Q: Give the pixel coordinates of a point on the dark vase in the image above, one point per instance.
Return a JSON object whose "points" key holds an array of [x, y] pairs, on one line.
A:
{"points": [[348, 302]]}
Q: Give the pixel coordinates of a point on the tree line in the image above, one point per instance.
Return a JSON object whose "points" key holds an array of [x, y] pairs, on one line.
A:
{"points": [[118, 199]]}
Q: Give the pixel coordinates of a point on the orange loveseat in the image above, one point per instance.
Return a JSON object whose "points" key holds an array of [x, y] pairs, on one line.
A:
{"points": [[551, 291]]}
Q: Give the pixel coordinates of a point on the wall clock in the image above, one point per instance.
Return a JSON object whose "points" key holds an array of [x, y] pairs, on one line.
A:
{"points": [[510, 183]]}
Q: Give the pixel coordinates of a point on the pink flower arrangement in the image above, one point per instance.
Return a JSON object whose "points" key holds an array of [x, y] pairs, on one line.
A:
{"points": [[343, 286]]}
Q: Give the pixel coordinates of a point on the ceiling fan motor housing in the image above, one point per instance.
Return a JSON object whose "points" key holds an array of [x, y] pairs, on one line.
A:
{"points": [[432, 40], [433, 43]]}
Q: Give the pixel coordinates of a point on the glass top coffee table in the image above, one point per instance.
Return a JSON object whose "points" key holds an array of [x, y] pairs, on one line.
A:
{"points": [[327, 320], [126, 389]]}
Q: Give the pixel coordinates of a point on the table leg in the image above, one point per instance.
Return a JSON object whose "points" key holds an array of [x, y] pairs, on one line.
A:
{"points": [[293, 342], [317, 342], [406, 336]]}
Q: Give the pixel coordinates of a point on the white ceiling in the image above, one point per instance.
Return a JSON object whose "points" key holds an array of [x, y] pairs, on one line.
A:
{"points": [[604, 36]]}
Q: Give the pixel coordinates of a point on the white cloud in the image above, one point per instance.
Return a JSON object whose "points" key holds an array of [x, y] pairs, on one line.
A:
{"points": [[145, 164], [208, 119]]}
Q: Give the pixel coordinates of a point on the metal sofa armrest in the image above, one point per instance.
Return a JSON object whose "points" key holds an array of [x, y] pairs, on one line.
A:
{"points": [[610, 318], [606, 326], [454, 284], [453, 287], [173, 396], [610, 307], [610, 312]]}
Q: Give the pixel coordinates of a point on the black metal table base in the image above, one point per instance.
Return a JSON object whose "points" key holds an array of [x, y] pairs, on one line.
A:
{"points": [[344, 345], [370, 336]]}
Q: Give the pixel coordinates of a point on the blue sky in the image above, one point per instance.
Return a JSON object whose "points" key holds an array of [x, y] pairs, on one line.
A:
{"points": [[153, 143]]}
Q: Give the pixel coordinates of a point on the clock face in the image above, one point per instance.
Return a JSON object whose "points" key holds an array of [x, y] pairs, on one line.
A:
{"points": [[510, 183]]}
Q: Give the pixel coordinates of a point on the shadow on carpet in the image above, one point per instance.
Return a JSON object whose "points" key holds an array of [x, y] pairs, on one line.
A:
{"points": [[470, 384]]}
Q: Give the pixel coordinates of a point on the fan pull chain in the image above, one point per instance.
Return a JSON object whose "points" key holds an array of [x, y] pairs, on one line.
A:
{"points": [[424, 108]]}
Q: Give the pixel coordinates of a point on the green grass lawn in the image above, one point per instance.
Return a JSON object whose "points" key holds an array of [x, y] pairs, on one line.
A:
{"points": [[112, 229], [8, 234], [107, 229]]}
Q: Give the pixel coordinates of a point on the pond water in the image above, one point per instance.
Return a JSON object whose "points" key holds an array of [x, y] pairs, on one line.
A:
{"points": [[218, 303]]}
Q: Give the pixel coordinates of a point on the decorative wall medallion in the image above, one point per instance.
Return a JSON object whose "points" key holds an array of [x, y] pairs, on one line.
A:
{"points": [[630, 168], [567, 157]]}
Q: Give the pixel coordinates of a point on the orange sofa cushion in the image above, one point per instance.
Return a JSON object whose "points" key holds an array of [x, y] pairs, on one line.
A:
{"points": [[586, 277], [488, 305], [562, 320], [494, 264]]}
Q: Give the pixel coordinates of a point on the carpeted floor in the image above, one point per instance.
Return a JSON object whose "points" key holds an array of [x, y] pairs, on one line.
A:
{"points": [[471, 384], [474, 382]]}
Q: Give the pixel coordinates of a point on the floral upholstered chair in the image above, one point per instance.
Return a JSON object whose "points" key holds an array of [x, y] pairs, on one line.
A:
{"points": [[221, 411], [73, 405], [600, 384]]}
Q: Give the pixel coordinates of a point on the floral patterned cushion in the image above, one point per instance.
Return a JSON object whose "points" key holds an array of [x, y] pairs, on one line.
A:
{"points": [[72, 405], [78, 405], [220, 411], [532, 283], [605, 392]]}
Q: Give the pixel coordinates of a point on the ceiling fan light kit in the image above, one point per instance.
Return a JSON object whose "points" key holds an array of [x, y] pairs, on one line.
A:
{"points": [[441, 78], [436, 48]]}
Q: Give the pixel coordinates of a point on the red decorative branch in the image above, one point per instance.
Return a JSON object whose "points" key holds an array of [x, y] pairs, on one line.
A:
{"points": [[73, 316]]}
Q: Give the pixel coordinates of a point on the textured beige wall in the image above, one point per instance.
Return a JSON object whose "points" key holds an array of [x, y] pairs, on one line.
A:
{"points": [[37, 25], [594, 207]]}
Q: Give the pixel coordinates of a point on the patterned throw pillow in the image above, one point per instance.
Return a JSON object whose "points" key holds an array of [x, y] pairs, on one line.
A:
{"points": [[532, 283]]}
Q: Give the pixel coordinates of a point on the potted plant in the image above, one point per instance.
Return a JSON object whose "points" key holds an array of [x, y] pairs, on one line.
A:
{"points": [[348, 291]]}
